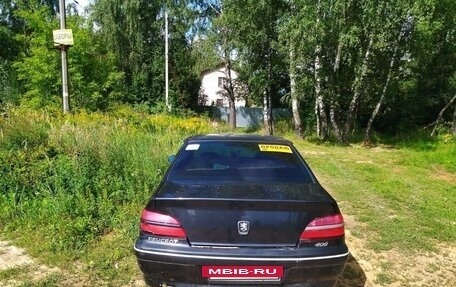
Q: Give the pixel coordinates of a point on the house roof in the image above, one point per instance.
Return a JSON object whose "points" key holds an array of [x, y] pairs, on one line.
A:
{"points": [[216, 67]]}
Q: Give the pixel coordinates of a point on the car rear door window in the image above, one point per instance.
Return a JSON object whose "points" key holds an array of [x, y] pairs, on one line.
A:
{"points": [[235, 161]]}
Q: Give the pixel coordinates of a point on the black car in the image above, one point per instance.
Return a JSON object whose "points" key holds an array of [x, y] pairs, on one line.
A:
{"points": [[240, 210]]}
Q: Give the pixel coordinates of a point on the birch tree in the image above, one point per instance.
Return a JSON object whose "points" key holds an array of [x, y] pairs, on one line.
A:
{"points": [[255, 34], [224, 40], [405, 29], [289, 34], [294, 92], [439, 117]]}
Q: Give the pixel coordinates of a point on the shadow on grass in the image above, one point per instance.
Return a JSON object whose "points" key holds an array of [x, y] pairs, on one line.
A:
{"points": [[353, 275]]}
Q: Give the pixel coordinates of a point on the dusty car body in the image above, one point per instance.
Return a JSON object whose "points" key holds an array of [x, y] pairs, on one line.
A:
{"points": [[240, 210]]}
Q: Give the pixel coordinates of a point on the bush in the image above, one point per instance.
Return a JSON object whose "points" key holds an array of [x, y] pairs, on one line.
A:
{"points": [[72, 179]]}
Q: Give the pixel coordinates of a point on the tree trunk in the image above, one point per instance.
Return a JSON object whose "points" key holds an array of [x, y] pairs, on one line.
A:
{"points": [[332, 115], [296, 117], [406, 26], [337, 59], [380, 101], [322, 121], [265, 109], [357, 90], [454, 121], [317, 118], [334, 105], [439, 117], [270, 119], [228, 85], [267, 112], [232, 108], [374, 115], [294, 95], [320, 113]]}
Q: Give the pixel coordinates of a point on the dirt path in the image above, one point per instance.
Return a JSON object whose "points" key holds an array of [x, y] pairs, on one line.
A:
{"points": [[16, 267], [365, 268], [11, 257], [395, 268]]}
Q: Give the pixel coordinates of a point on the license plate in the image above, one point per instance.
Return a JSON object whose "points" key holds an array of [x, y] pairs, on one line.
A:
{"points": [[242, 272]]}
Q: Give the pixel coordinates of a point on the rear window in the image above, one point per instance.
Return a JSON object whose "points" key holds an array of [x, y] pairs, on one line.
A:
{"points": [[239, 162]]}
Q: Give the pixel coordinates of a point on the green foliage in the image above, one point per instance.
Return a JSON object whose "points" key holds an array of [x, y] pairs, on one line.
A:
{"points": [[24, 134], [133, 32], [250, 29], [36, 69], [95, 83], [205, 55], [9, 87], [439, 152], [70, 179], [118, 56]]}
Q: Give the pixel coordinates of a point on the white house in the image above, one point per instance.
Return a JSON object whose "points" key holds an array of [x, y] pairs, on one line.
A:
{"points": [[212, 92]]}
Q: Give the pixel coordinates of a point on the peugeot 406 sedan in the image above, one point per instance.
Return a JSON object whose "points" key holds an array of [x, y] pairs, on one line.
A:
{"points": [[240, 210]]}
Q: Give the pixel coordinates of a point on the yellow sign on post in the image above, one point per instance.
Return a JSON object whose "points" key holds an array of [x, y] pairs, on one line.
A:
{"points": [[63, 37]]}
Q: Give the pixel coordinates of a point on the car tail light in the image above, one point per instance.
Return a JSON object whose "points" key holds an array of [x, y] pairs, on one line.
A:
{"points": [[160, 224], [326, 227]]}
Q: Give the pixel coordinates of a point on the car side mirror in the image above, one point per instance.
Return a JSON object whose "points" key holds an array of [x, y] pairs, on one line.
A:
{"points": [[171, 158]]}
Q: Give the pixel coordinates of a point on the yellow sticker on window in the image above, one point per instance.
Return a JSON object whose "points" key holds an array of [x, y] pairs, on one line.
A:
{"points": [[275, 148]]}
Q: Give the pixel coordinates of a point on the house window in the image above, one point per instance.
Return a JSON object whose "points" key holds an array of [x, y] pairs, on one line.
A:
{"points": [[222, 82]]}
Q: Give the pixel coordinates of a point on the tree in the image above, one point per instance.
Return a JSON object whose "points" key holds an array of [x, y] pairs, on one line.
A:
{"points": [[185, 82], [9, 26], [453, 126], [404, 30], [93, 81], [255, 36], [294, 92], [351, 51], [439, 117], [38, 65], [218, 33], [131, 32], [433, 64]]}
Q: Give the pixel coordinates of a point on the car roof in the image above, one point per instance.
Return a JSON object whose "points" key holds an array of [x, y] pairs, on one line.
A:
{"points": [[238, 138]]}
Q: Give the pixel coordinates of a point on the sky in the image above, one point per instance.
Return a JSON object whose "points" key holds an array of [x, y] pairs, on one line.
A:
{"points": [[83, 3]]}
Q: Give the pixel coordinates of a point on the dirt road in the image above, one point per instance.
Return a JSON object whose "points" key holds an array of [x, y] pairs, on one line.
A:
{"points": [[365, 268], [396, 268]]}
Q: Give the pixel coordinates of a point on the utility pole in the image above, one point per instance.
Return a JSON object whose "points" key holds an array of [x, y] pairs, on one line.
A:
{"points": [[166, 62], [63, 51]]}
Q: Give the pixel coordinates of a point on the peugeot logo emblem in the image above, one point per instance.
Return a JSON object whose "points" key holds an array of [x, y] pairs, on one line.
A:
{"points": [[243, 227]]}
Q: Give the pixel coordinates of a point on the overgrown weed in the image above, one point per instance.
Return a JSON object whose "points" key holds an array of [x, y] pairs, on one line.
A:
{"points": [[69, 181]]}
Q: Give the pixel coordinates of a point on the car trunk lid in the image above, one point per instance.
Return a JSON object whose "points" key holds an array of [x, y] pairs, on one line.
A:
{"points": [[230, 215]]}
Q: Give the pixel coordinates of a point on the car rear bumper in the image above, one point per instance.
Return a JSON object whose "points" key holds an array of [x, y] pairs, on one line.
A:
{"points": [[185, 269]]}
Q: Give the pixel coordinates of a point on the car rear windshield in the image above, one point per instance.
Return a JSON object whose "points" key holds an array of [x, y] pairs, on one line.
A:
{"points": [[239, 162]]}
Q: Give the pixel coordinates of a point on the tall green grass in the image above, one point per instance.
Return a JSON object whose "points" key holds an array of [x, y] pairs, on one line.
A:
{"points": [[68, 182], [72, 186]]}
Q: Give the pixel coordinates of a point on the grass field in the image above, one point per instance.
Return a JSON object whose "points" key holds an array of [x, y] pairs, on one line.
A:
{"points": [[72, 189], [405, 194], [399, 201]]}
